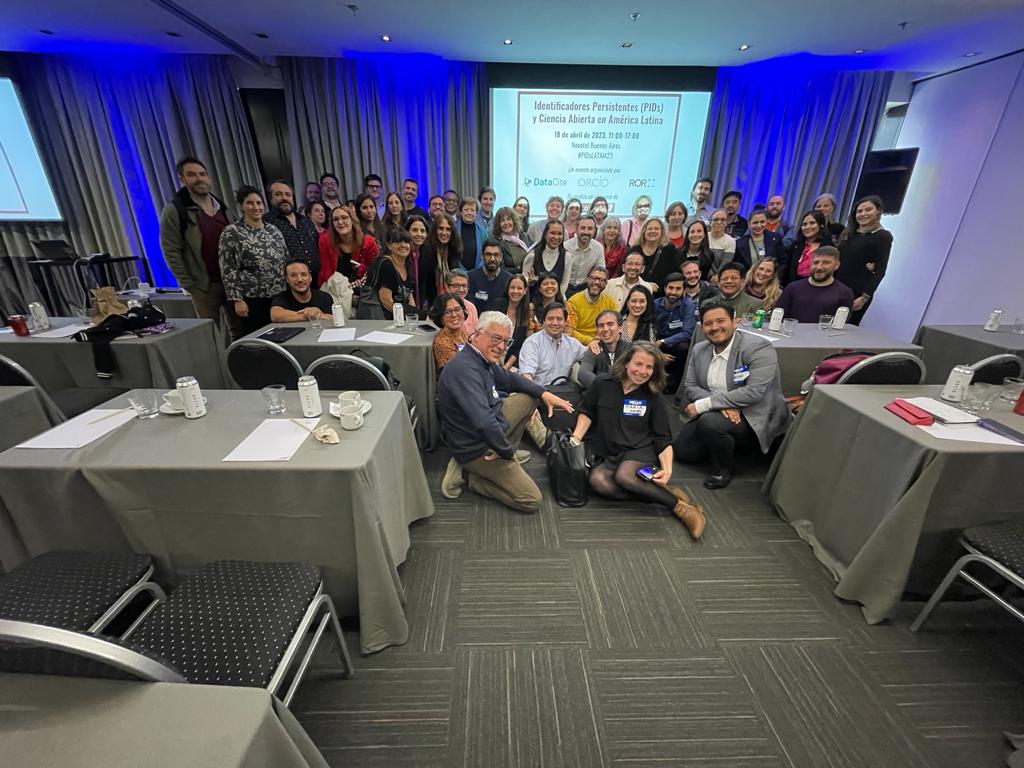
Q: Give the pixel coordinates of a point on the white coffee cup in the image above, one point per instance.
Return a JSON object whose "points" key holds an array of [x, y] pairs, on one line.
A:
{"points": [[351, 397], [173, 399], [351, 416]]}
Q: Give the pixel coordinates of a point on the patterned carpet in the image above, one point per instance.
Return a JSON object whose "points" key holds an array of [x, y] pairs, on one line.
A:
{"points": [[604, 636]]}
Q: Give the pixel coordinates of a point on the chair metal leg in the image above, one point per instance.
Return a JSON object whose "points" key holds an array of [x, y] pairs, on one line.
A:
{"points": [[958, 570], [142, 585], [940, 591]]}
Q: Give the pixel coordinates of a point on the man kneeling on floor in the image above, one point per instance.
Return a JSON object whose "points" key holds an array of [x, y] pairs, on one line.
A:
{"points": [[481, 428]]}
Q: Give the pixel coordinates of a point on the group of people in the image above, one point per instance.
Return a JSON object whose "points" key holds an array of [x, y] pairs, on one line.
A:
{"points": [[519, 302]]}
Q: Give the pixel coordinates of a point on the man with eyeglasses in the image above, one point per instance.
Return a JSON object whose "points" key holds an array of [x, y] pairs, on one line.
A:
{"points": [[735, 225], [451, 202], [373, 185], [481, 427], [585, 307]]}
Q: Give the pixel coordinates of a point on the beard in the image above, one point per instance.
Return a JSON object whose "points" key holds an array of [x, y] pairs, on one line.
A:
{"points": [[285, 209]]}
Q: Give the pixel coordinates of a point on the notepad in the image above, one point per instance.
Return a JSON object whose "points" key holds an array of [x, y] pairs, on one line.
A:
{"points": [[81, 430], [273, 440], [970, 433], [332, 335], [384, 337], [63, 332]]}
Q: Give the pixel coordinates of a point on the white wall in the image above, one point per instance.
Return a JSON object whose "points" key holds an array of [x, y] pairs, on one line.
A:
{"points": [[954, 234]]}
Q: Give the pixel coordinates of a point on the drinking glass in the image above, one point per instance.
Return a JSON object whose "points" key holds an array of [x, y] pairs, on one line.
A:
{"points": [[748, 317], [145, 404], [789, 325], [1012, 387], [824, 322], [1018, 325], [315, 323], [273, 396]]}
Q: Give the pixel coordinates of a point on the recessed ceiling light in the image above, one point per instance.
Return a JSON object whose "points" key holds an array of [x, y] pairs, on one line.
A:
{"points": [[861, 50], [744, 47], [627, 45], [46, 31], [386, 38], [262, 35], [173, 34], [506, 41], [970, 54]]}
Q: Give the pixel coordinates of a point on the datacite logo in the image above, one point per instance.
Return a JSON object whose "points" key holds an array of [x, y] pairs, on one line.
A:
{"points": [[537, 181]]}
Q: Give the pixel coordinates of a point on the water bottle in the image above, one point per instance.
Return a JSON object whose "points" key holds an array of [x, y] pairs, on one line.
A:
{"points": [[398, 313]]}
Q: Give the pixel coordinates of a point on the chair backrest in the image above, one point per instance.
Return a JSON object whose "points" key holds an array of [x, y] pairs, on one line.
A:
{"points": [[992, 370], [886, 368], [347, 372], [13, 374], [258, 363]]}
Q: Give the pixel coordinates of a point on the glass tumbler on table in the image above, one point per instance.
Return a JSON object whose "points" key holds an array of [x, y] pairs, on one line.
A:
{"points": [[145, 403], [789, 325], [273, 396], [1012, 387], [824, 322]]}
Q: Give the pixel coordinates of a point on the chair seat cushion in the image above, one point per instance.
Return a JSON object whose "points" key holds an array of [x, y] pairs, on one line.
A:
{"points": [[68, 589], [76, 401], [1003, 542], [230, 622]]}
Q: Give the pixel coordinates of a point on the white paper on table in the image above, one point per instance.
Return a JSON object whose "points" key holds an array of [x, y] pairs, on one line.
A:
{"points": [[772, 339], [948, 414], [63, 332], [273, 440], [384, 337], [81, 430], [330, 335], [969, 433]]}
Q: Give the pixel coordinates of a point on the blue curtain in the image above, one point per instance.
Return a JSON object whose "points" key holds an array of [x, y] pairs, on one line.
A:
{"points": [[795, 126], [397, 115]]}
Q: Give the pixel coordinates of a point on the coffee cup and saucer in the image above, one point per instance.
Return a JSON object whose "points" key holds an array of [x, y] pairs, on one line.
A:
{"points": [[350, 399], [172, 405]]}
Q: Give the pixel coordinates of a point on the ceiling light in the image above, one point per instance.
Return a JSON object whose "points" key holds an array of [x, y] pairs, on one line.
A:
{"points": [[861, 50], [627, 45], [173, 34], [46, 31], [506, 41], [744, 47], [386, 38], [634, 16], [262, 35], [970, 54]]}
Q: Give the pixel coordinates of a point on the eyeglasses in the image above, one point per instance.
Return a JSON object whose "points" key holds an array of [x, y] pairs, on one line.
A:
{"points": [[498, 339], [374, 186], [453, 311], [450, 199]]}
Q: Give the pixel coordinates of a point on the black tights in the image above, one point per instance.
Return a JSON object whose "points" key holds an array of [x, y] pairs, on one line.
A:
{"points": [[624, 483]]}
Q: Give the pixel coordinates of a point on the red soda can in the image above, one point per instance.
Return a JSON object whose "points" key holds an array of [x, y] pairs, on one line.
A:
{"points": [[18, 324], [1019, 407]]}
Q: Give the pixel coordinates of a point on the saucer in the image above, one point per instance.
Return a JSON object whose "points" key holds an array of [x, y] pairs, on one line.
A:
{"points": [[166, 408], [335, 409]]}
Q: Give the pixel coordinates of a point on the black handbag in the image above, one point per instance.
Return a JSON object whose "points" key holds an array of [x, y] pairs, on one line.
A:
{"points": [[567, 469], [567, 390], [369, 306]]}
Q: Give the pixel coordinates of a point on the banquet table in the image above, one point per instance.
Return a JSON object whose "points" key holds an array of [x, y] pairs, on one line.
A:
{"points": [[160, 486], [412, 361], [22, 415], [173, 305], [78, 722], [190, 348], [882, 502], [809, 345], [949, 345]]}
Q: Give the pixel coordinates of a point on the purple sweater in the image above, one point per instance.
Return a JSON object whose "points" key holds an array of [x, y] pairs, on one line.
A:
{"points": [[805, 302]]}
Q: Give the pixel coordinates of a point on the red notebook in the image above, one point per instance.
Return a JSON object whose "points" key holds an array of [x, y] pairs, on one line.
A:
{"points": [[910, 413]]}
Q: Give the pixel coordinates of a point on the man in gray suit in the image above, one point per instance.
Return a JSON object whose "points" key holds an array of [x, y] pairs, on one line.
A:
{"points": [[731, 393]]}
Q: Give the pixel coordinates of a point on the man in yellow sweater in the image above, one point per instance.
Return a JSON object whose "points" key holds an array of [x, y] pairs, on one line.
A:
{"points": [[585, 306]]}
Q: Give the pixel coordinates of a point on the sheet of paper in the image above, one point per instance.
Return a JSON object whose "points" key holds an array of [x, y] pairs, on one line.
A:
{"points": [[970, 433], [332, 335], [63, 332], [81, 430], [768, 336], [948, 413], [384, 337], [273, 440]]}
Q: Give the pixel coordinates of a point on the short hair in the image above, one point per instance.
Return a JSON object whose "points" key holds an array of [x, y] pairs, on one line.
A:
{"points": [[708, 179], [398, 235], [490, 242], [778, 195], [437, 309], [188, 160], [372, 177], [716, 303], [553, 306], [612, 312], [657, 381], [296, 260], [407, 180], [492, 317], [328, 175], [447, 191], [279, 181], [552, 199], [732, 193], [484, 190], [469, 201], [827, 250], [638, 254], [736, 265], [453, 273], [432, 198], [244, 191], [598, 268], [586, 217], [674, 277]]}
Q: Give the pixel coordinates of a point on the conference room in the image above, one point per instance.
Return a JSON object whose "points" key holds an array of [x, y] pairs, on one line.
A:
{"points": [[543, 386]]}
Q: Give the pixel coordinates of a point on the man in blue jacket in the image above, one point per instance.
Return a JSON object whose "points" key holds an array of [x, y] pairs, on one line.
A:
{"points": [[481, 427], [675, 318]]}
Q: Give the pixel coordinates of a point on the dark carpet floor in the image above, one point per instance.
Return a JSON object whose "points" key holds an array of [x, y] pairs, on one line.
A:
{"points": [[604, 636]]}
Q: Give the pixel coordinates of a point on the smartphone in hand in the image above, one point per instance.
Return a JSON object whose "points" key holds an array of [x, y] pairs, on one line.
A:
{"points": [[647, 473]]}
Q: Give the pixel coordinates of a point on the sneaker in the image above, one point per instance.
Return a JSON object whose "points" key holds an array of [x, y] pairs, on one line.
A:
{"points": [[522, 456], [451, 484]]}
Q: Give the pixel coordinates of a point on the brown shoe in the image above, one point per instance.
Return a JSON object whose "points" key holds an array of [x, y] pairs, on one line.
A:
{"points": [[680, 494], [692, 516]]}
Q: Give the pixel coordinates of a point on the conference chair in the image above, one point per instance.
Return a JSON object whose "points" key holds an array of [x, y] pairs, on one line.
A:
{"points": [[59, 404], [992, 370], [258, 363], [886, 368], [78, 591], [230, 623], [1000, 546]]}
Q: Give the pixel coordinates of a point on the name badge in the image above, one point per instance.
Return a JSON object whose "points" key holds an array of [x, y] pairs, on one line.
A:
{"points": [[760, 251], [459, 346], [675, 323], [482, 295], [740, 375], [494, 392], [634, 408]]}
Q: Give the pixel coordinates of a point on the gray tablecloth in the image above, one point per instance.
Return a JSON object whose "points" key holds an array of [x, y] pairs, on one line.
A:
{"points": [[949, 345], [882, 502], [173, 304], [412, 362], [191, 348], [84, 723], [22, 415], [159, 486], [809, 345]]}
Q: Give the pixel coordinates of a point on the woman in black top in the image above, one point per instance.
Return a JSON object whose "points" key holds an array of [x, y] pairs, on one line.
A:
{"points": [[814, 233], [697, 247], [440, 254], [661, 258], [631, 431], [826, 205], [516, 304], [394, 283], [369, 221], [864, 250], [638, 318], [548, 291]]}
